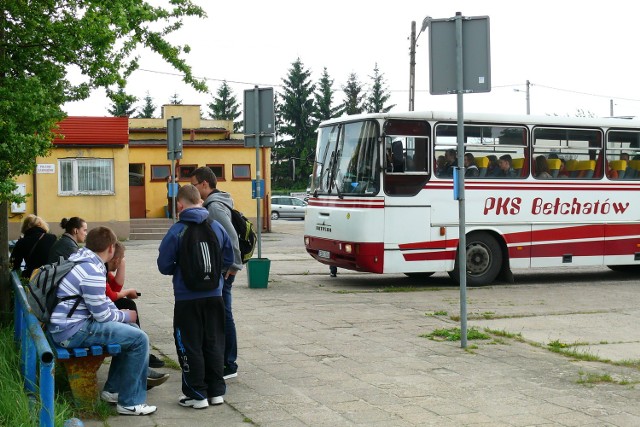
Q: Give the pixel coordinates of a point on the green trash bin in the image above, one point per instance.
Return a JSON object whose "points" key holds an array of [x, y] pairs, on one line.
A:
{"points": [[258, 272]]}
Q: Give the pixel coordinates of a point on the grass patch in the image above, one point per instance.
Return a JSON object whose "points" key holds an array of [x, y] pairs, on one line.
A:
{"points": [[15, 407], [437, 313], [454, 334], [589, 378]]}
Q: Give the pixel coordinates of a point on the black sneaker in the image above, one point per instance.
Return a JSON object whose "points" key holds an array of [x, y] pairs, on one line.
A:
{"points": [[155, 361], [155, 379]]}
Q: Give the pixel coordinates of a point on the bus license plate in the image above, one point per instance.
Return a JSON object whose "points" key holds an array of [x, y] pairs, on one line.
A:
{"points": [[324, 254]]}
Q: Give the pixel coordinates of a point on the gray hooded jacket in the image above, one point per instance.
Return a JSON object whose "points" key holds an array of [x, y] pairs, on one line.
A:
{"points": [[220, 213]]}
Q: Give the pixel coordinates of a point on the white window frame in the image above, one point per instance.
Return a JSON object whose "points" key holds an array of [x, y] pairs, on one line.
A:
{"points": [[75, 163]]}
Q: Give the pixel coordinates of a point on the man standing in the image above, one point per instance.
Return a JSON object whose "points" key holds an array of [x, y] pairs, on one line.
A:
{"points": [[96, 320], [198, 316], [219, 204]]}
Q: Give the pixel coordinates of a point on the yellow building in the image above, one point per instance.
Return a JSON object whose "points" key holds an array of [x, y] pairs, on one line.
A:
{"points": [[205, 143], [108, 170]]}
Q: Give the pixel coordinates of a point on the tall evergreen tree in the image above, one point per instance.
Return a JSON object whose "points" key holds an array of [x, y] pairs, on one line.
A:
{"points": [[324, 99], [225, 106], [379, 94], [122, 103], [148, 109], [175, 99], [297, 129], [353, 96]]}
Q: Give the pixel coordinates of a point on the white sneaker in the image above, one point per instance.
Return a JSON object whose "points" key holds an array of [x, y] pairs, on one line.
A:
{"points": [[230, 375], [142, 409], [216, 400], [109, 397], [190, 402]]}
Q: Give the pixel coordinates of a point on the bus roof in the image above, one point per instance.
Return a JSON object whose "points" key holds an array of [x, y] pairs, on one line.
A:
{"points": [[628, 122]]}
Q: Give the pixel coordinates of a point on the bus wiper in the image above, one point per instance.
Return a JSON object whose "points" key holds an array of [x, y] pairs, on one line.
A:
{"points": [[333, 165]]}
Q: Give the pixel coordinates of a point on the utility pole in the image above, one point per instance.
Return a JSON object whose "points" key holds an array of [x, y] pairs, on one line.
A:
{"points": [[528, 98], [412, 67], [611, 107]]}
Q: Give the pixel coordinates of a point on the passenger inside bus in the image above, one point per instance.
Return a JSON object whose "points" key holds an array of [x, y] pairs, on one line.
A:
{"points": [[542, 169], [397, 156], [492, 167], [472, 170], [505, 170], [451, 159], [441, 166]]}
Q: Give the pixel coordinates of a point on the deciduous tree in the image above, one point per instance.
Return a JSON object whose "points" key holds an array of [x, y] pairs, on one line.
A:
{"points": [[40, 41]]}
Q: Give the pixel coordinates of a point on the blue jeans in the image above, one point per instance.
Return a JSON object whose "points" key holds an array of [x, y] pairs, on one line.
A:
{"points": [[128, 370], [230, 340]]}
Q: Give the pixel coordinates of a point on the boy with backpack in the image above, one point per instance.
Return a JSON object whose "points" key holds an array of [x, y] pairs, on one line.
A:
{"points": [[219, 206], [195, 251], [84, 316]]}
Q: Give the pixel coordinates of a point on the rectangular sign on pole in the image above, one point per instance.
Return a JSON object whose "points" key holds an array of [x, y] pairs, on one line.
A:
{"points": [[257, 189], [476, 59], [174, 138], [265, 123]]}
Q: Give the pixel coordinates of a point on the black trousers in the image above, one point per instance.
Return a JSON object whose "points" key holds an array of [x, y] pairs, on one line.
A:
{"points": [[198, 331], [128, 304]]}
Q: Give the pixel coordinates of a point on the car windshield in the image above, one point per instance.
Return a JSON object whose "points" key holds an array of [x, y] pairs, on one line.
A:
{"points": [[347, 159]]}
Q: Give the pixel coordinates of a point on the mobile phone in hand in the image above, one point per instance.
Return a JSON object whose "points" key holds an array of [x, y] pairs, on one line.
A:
{"points": [[138, 293]]}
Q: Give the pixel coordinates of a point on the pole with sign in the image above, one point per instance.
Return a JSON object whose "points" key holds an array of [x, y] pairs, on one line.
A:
{"points": [[459, 62], [259, 121], [174, 152]]}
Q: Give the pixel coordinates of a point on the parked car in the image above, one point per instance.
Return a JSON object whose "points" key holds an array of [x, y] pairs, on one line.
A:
{"points": [[287, 207]]}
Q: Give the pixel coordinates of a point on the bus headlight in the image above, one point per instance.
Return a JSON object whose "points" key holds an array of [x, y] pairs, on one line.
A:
{"points": [[348, 248], [306, 240]]}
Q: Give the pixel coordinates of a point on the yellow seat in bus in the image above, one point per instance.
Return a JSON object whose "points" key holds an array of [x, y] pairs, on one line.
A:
{"points": [[517, 165], [554, 166], [619, 166], [482, 163], [585, 168], [634, 169], [572, 168]]}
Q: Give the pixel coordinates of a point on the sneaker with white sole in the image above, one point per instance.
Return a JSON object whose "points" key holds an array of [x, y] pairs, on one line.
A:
{"points": [[142, 409], [216, 400], [190, 402], [108, 396], [228, 373]]}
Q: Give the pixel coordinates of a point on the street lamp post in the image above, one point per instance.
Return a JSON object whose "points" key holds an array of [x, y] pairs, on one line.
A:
{"points": [[412, 59]]}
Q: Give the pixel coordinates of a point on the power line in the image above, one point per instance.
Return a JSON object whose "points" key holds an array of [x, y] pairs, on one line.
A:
{"points": [[577, 92]]}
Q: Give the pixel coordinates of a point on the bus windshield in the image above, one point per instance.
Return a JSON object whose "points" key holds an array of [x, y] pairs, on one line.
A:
{"points": [[347, 159]]}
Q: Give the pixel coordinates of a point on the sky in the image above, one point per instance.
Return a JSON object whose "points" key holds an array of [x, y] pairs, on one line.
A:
{"points": [[577, 56]]}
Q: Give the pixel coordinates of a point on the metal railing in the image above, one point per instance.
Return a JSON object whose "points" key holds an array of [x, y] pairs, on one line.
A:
{"points": [[36, 357]]}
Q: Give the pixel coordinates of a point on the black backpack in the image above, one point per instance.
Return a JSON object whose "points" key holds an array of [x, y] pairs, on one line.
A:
{"points": [[244, 228], [200, 258], [42, 289]]}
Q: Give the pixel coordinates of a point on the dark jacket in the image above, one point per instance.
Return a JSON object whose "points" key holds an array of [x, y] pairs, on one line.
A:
{"points": [[170, 245], [63, 247], [33, 248]]}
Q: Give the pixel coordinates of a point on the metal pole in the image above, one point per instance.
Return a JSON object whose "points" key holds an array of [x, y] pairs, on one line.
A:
{"points": [[172, 189], [412, 67], [528, 99], [256, 93], [462, 241], [611, 107]]}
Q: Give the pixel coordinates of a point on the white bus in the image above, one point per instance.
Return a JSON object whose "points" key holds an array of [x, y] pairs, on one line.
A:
{"points": [[382, 194]]}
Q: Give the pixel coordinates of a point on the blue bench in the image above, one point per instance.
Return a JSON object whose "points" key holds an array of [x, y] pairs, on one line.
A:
{"points": [[39, 351]]}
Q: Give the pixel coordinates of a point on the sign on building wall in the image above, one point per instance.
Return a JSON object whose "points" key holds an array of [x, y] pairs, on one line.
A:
{"points": [[46, 168]]}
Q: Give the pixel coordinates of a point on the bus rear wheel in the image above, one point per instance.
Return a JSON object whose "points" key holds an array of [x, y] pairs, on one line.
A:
{"points": [[484, 260]]}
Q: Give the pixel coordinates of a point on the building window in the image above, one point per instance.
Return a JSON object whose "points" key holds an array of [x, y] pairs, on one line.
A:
{"points": [[241, 172], [85, 176], [218, 170], [160, 172], [185, 171]]}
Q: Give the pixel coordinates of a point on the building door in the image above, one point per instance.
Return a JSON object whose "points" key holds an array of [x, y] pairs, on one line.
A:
{"points": [[137, 202]]}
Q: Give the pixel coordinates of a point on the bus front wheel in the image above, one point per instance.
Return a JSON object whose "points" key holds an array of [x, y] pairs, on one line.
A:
{"points": [[484, 259]]}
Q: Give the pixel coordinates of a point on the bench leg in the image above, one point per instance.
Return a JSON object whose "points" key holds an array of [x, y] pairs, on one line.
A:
{"points": [[83, 379]]}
